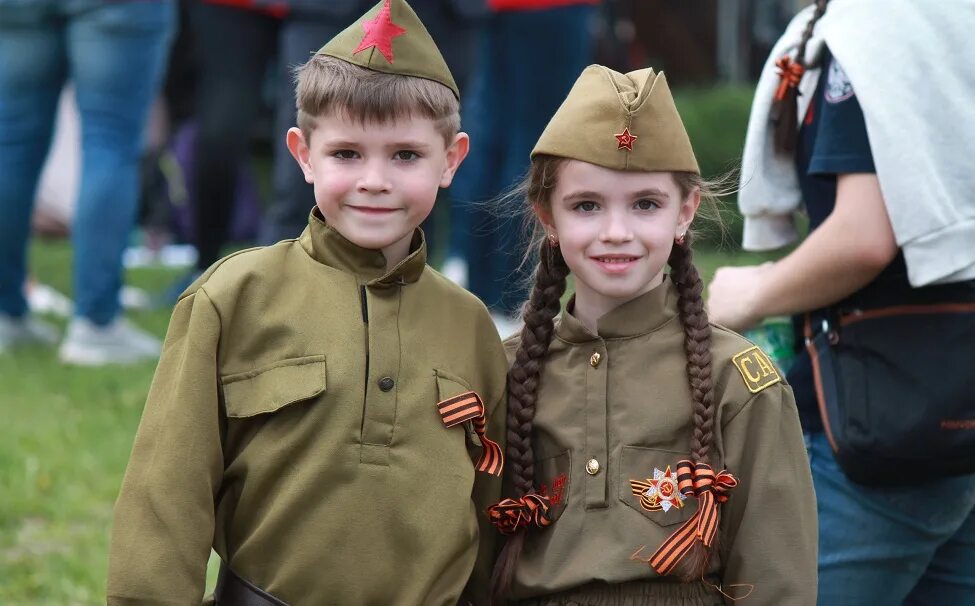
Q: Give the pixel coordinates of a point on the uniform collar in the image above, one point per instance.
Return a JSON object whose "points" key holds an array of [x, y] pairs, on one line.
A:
{"points": [[636, 317], [327, 246]]}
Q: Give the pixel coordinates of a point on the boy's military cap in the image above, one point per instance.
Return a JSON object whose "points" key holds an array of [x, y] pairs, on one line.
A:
{"points": [[391, 38], [620, 121]]}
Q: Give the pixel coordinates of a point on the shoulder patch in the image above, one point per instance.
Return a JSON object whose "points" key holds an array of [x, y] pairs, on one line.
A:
{"points": [[756, 369], [838, 85]]}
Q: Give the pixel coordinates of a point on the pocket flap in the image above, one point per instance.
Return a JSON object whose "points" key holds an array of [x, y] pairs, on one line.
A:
{"points": [[449, 386], [272, 387], [648, 484]]}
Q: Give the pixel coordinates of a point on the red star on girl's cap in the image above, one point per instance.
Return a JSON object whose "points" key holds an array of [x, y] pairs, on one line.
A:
{"points": [[625, 139], [380, 32]]}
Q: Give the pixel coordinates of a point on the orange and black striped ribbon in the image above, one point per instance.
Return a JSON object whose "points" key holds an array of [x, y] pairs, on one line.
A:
{"points": [[790, 74], [512, 514], [711, 490], [469, 407]]}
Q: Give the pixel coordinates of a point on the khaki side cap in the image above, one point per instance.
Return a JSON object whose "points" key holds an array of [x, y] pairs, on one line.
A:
{"points": [[603, 105], [413, 52]]}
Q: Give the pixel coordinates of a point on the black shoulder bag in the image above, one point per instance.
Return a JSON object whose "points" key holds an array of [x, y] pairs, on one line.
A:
{"points": [[896, 390]]}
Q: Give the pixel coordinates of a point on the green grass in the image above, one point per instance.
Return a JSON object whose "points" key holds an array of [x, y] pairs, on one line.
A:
{"points": [[65, 438]]}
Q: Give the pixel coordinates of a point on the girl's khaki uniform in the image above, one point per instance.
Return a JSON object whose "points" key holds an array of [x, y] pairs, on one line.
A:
{"points": [[614, 407]]}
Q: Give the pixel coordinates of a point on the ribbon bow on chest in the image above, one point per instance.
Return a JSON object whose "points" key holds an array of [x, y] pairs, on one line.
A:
{"points": [[710, 489]]}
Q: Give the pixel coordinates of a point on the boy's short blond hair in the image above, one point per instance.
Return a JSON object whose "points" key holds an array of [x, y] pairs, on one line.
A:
{"points": [[326, 85]]}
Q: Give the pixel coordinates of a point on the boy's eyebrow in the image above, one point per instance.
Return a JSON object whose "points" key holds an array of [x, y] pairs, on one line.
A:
{"points": [[340, 143], [409, 145]]}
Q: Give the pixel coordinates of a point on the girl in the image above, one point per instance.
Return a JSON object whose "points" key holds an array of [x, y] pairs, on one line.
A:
{"points": [[652, 457]]}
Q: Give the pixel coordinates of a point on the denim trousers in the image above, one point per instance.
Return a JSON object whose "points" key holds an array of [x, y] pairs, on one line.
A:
{"points": [[527, 64], [114, 53], [911, 544]]}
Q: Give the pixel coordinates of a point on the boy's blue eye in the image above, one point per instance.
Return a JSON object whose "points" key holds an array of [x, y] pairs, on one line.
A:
{"points": [[407, 155], [586, 207], [647, 204], [344, 154]]}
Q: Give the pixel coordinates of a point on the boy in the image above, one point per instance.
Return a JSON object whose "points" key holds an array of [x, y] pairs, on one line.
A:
{"points": [[318, 402]]}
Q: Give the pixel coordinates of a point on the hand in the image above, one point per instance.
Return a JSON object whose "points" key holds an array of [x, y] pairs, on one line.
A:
{"points": [[732, 296]]}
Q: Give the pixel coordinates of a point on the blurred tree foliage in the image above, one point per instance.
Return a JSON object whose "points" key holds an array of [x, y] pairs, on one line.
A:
{"points": [[716, 119]]}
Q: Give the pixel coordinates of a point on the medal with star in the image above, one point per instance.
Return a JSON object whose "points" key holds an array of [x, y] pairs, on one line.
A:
{"points": [[659, 493]]}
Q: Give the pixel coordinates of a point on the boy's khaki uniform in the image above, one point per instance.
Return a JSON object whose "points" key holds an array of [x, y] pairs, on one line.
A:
{"points": [[615, 407], [293, 425]]}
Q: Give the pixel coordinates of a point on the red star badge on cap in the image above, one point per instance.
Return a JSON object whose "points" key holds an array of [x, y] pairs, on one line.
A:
{"points": [[380, 32], [625, 139]]}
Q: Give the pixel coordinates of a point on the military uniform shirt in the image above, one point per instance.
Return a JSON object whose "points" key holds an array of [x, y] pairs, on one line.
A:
{"points": [[615, 406], [292, 424]]}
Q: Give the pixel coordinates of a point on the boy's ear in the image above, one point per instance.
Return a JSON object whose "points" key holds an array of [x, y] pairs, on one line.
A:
{"points": [[688, 209], [456, 152], [299, 149]]}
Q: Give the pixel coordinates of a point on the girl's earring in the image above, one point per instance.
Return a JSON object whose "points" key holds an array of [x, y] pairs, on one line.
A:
{"points": [[553, 240], [681, 239]]}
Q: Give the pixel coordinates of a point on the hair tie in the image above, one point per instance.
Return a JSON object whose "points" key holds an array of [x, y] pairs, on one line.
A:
{"points": [[510, 515], [790, 74]]}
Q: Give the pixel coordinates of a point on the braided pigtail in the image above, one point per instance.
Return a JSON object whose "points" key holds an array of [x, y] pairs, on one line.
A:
{"points": [[523, 379], [697, 346], [785, 106]]}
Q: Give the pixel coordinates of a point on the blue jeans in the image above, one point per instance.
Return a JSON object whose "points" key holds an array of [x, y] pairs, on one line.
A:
{"points": [[886, 546], [114, 54], [528, 62]]}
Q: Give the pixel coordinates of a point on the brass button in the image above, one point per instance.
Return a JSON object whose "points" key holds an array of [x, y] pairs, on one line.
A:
{"points": [[386, 383], [592, 467], [594, 360]]}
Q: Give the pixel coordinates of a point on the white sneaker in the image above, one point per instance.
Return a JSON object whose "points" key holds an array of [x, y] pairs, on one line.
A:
{"points": [[120, 342], [506, 326], [455, 269], [25, 330]]}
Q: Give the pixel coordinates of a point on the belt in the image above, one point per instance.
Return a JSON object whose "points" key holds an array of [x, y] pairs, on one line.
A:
{"points": [[233, 590]]}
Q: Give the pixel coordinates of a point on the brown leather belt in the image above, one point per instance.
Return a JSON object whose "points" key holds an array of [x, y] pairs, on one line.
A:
{"points": [[232, 590]]}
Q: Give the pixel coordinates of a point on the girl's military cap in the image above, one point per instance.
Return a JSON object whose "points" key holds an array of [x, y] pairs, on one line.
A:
{"points": [[620, 121], [390, 38]]}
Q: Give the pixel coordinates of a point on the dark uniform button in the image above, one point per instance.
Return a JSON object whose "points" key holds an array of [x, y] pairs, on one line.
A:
{"points": [[386, 383]]}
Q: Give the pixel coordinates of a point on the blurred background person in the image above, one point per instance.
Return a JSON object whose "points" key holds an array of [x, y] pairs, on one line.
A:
{"points": [[233, 44], [113, 52], [885, 277], [531, 53]]}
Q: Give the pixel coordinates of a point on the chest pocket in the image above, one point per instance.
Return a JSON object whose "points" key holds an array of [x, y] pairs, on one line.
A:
{"points": [[553, 477], [271, 388], [450, 386], [648, 484]]}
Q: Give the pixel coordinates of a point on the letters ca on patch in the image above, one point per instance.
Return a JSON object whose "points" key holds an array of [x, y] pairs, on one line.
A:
{"points": [[756, 369], [838, 85]]}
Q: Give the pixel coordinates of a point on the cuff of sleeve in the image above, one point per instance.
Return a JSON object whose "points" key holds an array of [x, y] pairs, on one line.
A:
{"points": [[839, 164], [768, 232]]}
